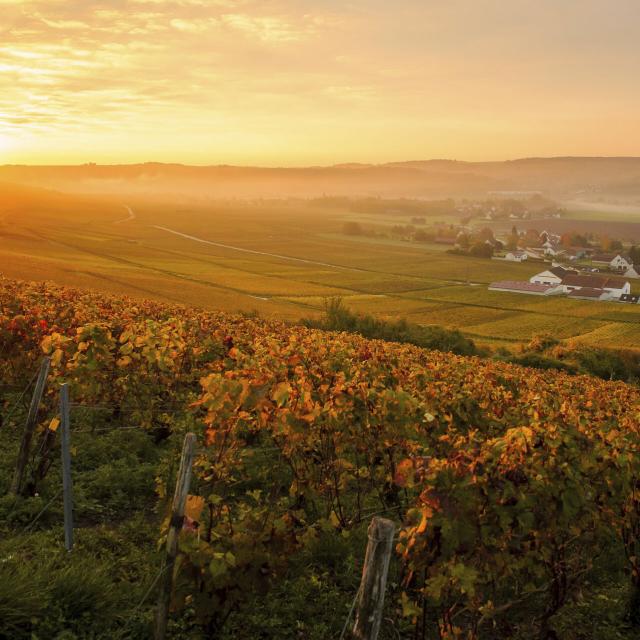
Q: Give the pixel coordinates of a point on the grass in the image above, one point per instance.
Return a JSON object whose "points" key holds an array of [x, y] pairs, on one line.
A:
{"points": [[308, 261]]}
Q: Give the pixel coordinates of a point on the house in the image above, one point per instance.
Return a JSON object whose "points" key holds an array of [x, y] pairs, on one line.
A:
{"points": [[534, 254], [552, 276], [620, 263], [616, 262], [610, 284], [547, 237], [631, 273], [552, 250], [516, 256], [627, 297], [525, 287]]}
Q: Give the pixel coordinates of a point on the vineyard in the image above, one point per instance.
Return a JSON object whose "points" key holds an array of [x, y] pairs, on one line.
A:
{"points": [[515, 491]]}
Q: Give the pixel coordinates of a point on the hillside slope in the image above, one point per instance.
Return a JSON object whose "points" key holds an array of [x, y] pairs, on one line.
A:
{"points": [[513, 489], [560, 177]]}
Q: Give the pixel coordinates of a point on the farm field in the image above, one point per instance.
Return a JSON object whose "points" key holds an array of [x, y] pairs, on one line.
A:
{"points": [[283, 260]]}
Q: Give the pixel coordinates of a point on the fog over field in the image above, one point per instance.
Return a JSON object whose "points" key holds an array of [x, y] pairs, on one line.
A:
{"points": [[163, 231], [614, 180]]}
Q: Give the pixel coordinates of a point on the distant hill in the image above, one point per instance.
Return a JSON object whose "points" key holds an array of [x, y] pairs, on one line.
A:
{"points": [[15, 198], [566, 178]]}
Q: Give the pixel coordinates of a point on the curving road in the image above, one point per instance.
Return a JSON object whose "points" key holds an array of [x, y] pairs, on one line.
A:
{"points": [[258, 253], [129, 218]]}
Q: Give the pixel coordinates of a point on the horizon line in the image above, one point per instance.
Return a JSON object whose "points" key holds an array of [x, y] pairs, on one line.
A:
{"points": [[345, 164]]}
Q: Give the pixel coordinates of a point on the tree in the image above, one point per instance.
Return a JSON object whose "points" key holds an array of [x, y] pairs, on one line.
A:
{"points": [[514, 238], [634, 254], [485, 234], [578, 240], [463, 240], [423, 236], [532, 238], [481, 250], [615, 245]]}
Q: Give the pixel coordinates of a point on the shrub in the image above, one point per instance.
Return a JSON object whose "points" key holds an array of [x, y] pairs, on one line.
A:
{"points": [[337, 317], [538, 361]]}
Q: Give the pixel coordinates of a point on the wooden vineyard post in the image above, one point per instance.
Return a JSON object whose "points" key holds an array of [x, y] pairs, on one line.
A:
{"points": [[29, 428], [370, 601], [175, 525], [67, 485]]}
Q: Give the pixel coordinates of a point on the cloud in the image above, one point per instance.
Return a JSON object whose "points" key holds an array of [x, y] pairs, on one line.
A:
{"points": [[194, 25], [306, 75], [270, 28]]}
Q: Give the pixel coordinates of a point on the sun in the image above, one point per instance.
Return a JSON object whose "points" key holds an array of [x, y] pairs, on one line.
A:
{"points": [[5, 143]]}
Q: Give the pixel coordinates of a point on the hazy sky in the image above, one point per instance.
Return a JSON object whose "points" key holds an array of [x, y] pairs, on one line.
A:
{"points": [[292, 82]]}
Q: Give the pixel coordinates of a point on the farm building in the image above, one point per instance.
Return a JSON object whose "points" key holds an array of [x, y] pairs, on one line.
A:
{"points": [[558, 280], [525, 287], [631, 273], [602, 258], [629, 298], [611, 284], [552, 276], [586, 293]]}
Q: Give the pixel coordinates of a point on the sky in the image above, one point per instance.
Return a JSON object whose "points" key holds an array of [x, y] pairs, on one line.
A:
{"points": [[314, 82]]}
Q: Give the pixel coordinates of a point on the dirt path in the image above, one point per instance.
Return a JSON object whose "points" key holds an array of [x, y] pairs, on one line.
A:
{"points": [[129, 218], [257, 253]]}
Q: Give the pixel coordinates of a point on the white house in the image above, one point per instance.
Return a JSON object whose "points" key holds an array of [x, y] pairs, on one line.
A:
{"points": [[551, 250], [631, 273], [554, 276], [616, 262], [620, 263], [548, 237], [534, 254], [516, 256]]}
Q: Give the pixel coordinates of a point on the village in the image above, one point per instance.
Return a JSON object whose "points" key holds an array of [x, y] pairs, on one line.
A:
{"points": [[576, 272]]}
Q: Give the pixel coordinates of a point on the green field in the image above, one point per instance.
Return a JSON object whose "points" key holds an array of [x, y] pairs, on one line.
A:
{"points": [[283, 259]]}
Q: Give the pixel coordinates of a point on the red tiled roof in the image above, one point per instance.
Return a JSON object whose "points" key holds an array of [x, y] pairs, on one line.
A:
{"points": [[594, 282], [586, 292]]}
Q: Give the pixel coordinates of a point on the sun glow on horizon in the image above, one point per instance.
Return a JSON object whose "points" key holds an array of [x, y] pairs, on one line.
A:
{"points": [[6, 143], [284, 82]]}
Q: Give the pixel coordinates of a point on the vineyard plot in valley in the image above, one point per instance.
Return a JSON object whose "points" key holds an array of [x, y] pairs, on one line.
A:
{"points": [[283, 259]]}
